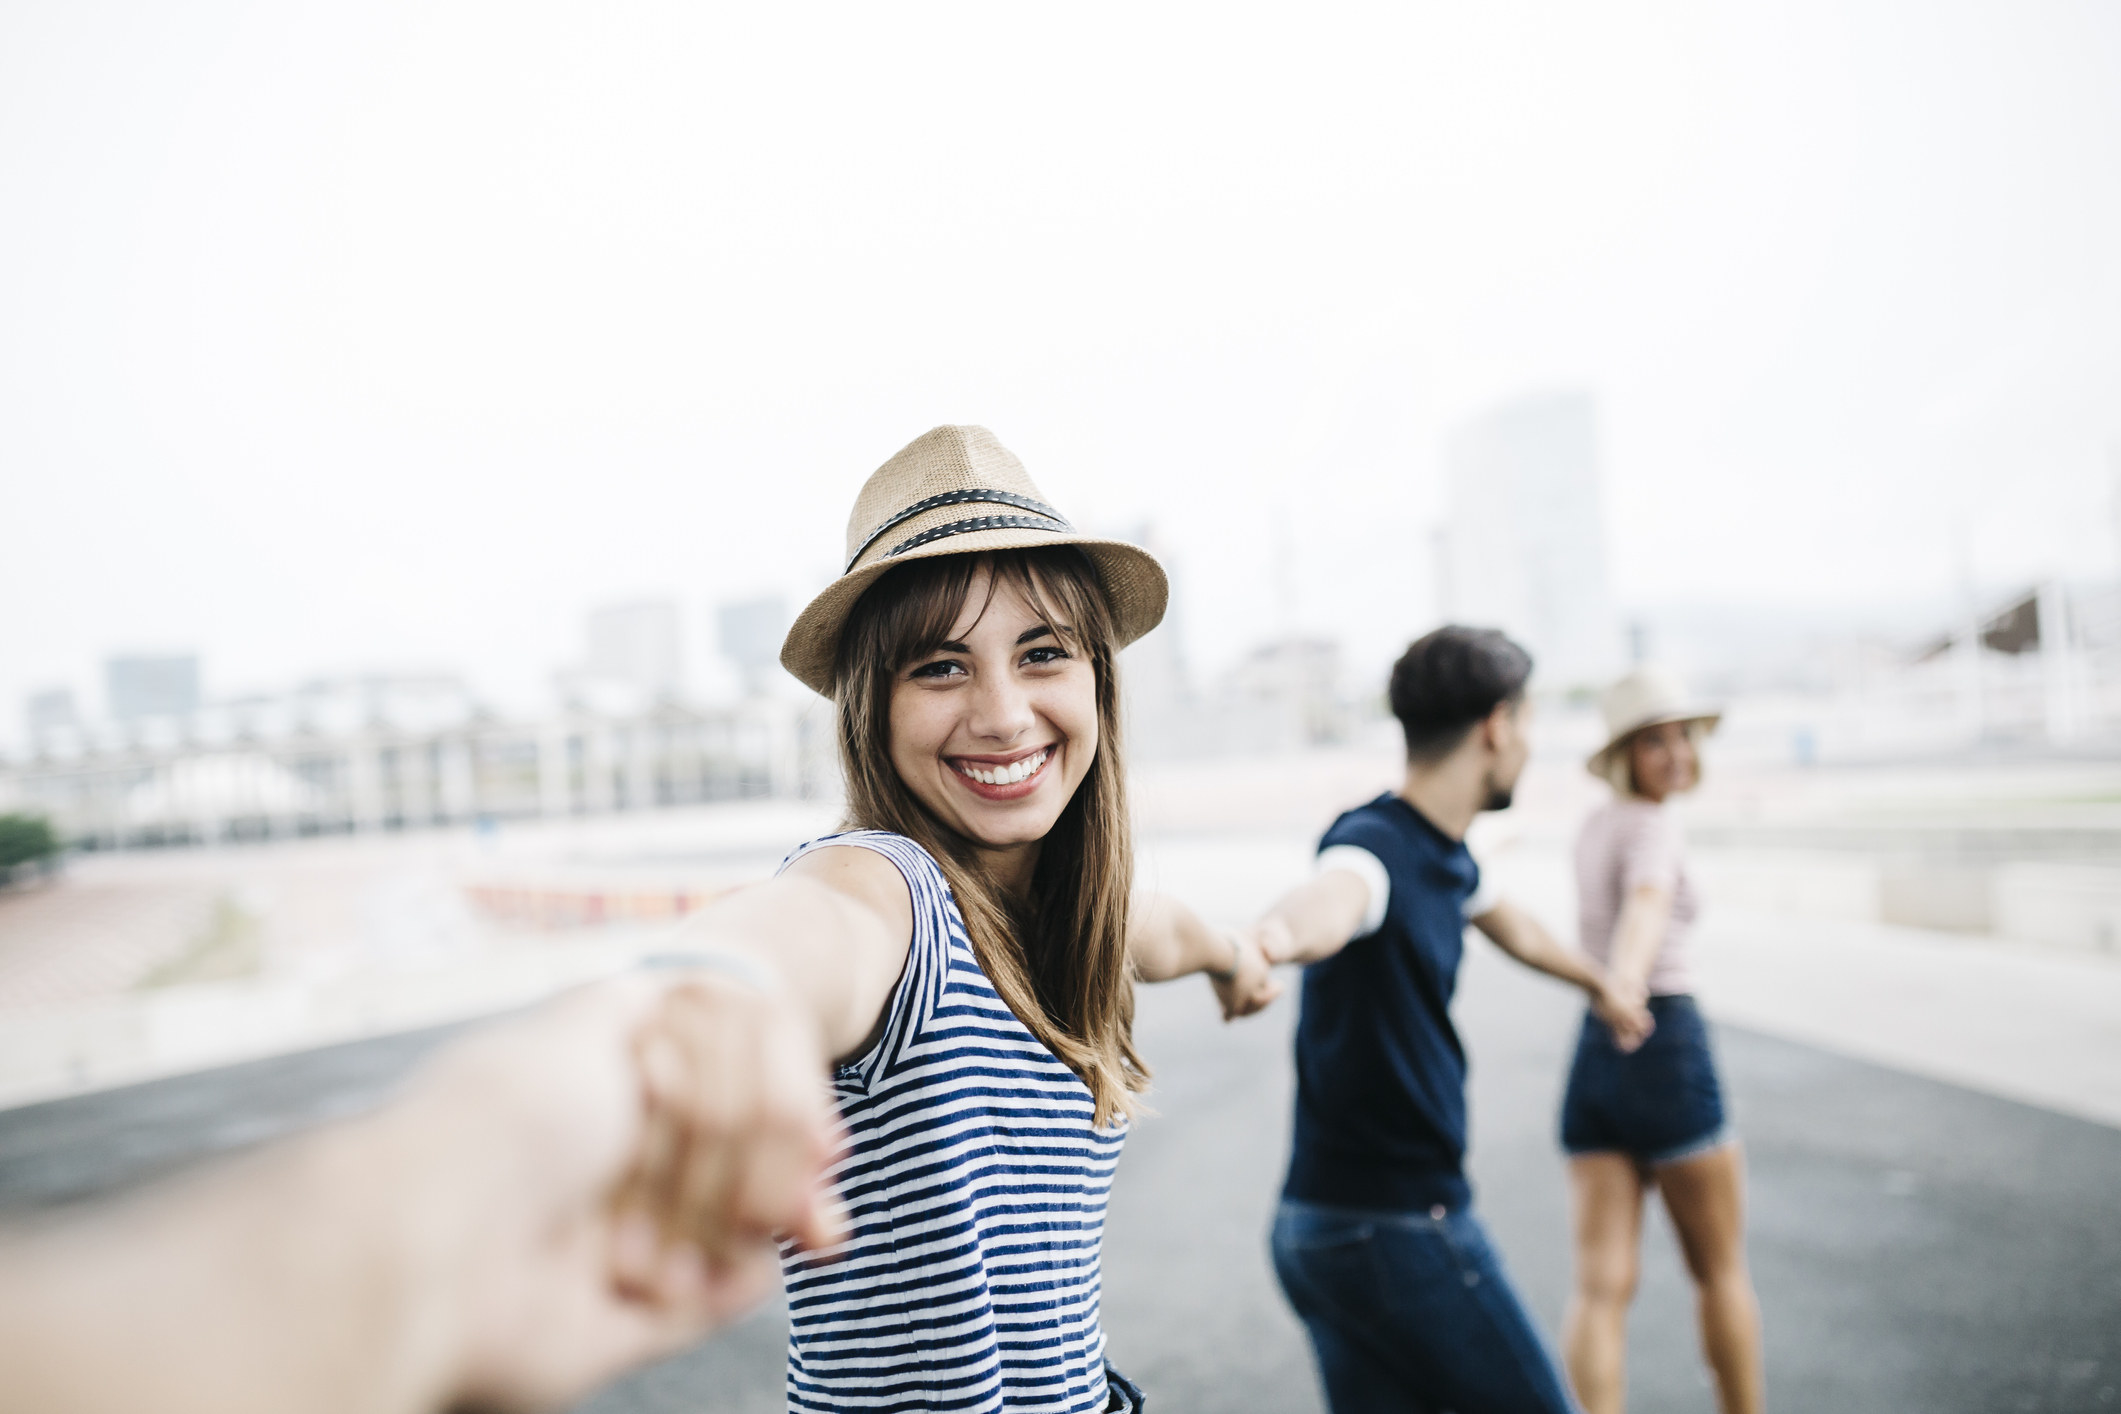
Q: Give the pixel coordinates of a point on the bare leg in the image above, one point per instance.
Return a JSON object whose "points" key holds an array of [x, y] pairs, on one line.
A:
{"points": [[1706, 1197], [1605, 1195]]}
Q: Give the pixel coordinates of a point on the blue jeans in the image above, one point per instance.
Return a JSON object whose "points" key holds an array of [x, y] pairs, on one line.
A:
{"points": [[1411, 1313], [1126, 1396]]}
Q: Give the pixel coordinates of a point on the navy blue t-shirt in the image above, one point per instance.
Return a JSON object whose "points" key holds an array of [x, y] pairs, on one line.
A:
{"points": [[1380, 1073]]}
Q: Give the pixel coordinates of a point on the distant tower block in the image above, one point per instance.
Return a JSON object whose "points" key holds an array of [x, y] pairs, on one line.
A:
{"points": [[141, 686], [751, 633], [640, 644], [1526, 549], [50, 710]]}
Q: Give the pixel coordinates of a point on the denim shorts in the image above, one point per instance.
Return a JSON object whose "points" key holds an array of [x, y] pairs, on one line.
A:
{"points": [[1658, 1104]]}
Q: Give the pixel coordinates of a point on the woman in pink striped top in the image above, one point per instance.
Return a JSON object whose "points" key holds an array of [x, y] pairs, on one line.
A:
{"points": [[1649, 1115]]}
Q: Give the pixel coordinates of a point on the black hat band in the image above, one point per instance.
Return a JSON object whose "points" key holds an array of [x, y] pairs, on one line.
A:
{"points": [[1046, 518], [966, 527]]}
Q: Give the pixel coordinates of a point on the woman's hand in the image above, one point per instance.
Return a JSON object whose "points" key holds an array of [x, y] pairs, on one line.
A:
{"points": [[738, 1125], [1252, 986], [1623, 1006]]}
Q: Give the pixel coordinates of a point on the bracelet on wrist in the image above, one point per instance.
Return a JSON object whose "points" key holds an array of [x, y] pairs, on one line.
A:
{"points": [[1237, 958], [746, 969]]}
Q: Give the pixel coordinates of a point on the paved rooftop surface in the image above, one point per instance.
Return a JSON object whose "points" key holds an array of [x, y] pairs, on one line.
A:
{"points": [[1933, 1129], [1917, 1245]]}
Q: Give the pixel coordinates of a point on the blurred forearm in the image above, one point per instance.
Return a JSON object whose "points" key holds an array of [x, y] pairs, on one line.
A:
{"points": [[1525, 938], [1316, 919], [502, 1235], [1167, 940], [324, 1274], [1639, 933], [834, 956]]}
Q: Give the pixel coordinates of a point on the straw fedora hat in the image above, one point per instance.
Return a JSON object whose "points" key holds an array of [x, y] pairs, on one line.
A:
{"points": [[1646, 697], [958, 491]]}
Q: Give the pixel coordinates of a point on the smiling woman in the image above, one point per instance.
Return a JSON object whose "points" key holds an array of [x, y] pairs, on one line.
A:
{"points": [[980, 718], [965, 952]]}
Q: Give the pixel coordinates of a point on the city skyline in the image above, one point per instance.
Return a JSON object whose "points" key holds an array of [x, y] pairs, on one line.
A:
{"points": [[395, 336]]}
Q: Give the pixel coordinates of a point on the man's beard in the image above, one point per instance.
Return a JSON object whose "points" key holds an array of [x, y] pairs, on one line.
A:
{"points": [[1499, 796]]}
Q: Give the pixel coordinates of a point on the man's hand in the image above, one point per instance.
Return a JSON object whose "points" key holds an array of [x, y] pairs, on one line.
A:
{"points": [[1276, 939], [550, 1200], [1253, 987], [642, 1144], [1623, 1006]]}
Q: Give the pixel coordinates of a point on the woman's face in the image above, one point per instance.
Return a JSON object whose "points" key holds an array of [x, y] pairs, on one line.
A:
{"points": [[1664, 761], [996, 729]]}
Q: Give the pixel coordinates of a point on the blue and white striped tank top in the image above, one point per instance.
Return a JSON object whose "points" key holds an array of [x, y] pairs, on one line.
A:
{"points": [[976, 1183]]}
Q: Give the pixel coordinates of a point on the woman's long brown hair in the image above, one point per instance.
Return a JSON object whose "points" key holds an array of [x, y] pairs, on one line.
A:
{"points": [[1059, 956]]}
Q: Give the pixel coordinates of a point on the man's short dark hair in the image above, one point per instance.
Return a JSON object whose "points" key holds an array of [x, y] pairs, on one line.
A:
{"points": [[1451, 678]]}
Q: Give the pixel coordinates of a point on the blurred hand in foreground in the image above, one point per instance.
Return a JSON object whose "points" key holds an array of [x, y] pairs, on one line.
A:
{"points": [[739, 1128], [663, 1147], [550, 1201]]}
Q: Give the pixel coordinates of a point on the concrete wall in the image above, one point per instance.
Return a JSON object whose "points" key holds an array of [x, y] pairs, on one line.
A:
{"points": [[2059, 905]]}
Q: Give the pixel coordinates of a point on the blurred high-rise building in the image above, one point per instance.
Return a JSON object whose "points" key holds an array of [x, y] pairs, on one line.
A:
{"points": [[50, 709], [1285, 693], [750, 633], [47, 712], [1525, 544], [640, 644], [141, 686], [1163, 712]]}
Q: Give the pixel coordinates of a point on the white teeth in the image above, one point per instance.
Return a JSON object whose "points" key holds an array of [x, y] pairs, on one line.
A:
{"points": [[1006, 775]]}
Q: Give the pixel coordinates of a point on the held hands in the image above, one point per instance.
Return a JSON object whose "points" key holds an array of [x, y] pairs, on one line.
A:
{"points": [[737, 1131], [1623, 1005], [1276, 939], [1252, 985], [646, 1143]]}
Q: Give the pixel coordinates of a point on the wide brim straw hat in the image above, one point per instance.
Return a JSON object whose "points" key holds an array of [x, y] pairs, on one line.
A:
{"points": [[959, 491], [1646, 697]]}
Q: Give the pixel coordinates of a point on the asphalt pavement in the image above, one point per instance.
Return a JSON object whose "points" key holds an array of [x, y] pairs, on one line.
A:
{"points": [[1917, 1246]]}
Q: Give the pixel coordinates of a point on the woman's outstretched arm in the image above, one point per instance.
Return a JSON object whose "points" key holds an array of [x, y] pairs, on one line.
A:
{"points": [[802, 968], [1167, 940], [1638, 933], [832, 932]]}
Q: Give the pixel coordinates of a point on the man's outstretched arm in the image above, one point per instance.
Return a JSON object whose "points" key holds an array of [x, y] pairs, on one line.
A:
{"points": [[471, 1243], [1317, 918], [1522, 936]]}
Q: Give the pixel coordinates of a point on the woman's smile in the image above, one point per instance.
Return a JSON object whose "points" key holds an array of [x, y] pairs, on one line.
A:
{"points": [[995, 728], [1009, 777]]}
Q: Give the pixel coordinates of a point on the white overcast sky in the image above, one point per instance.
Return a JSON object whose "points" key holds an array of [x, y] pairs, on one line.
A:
{"points": [[392, 335]]}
